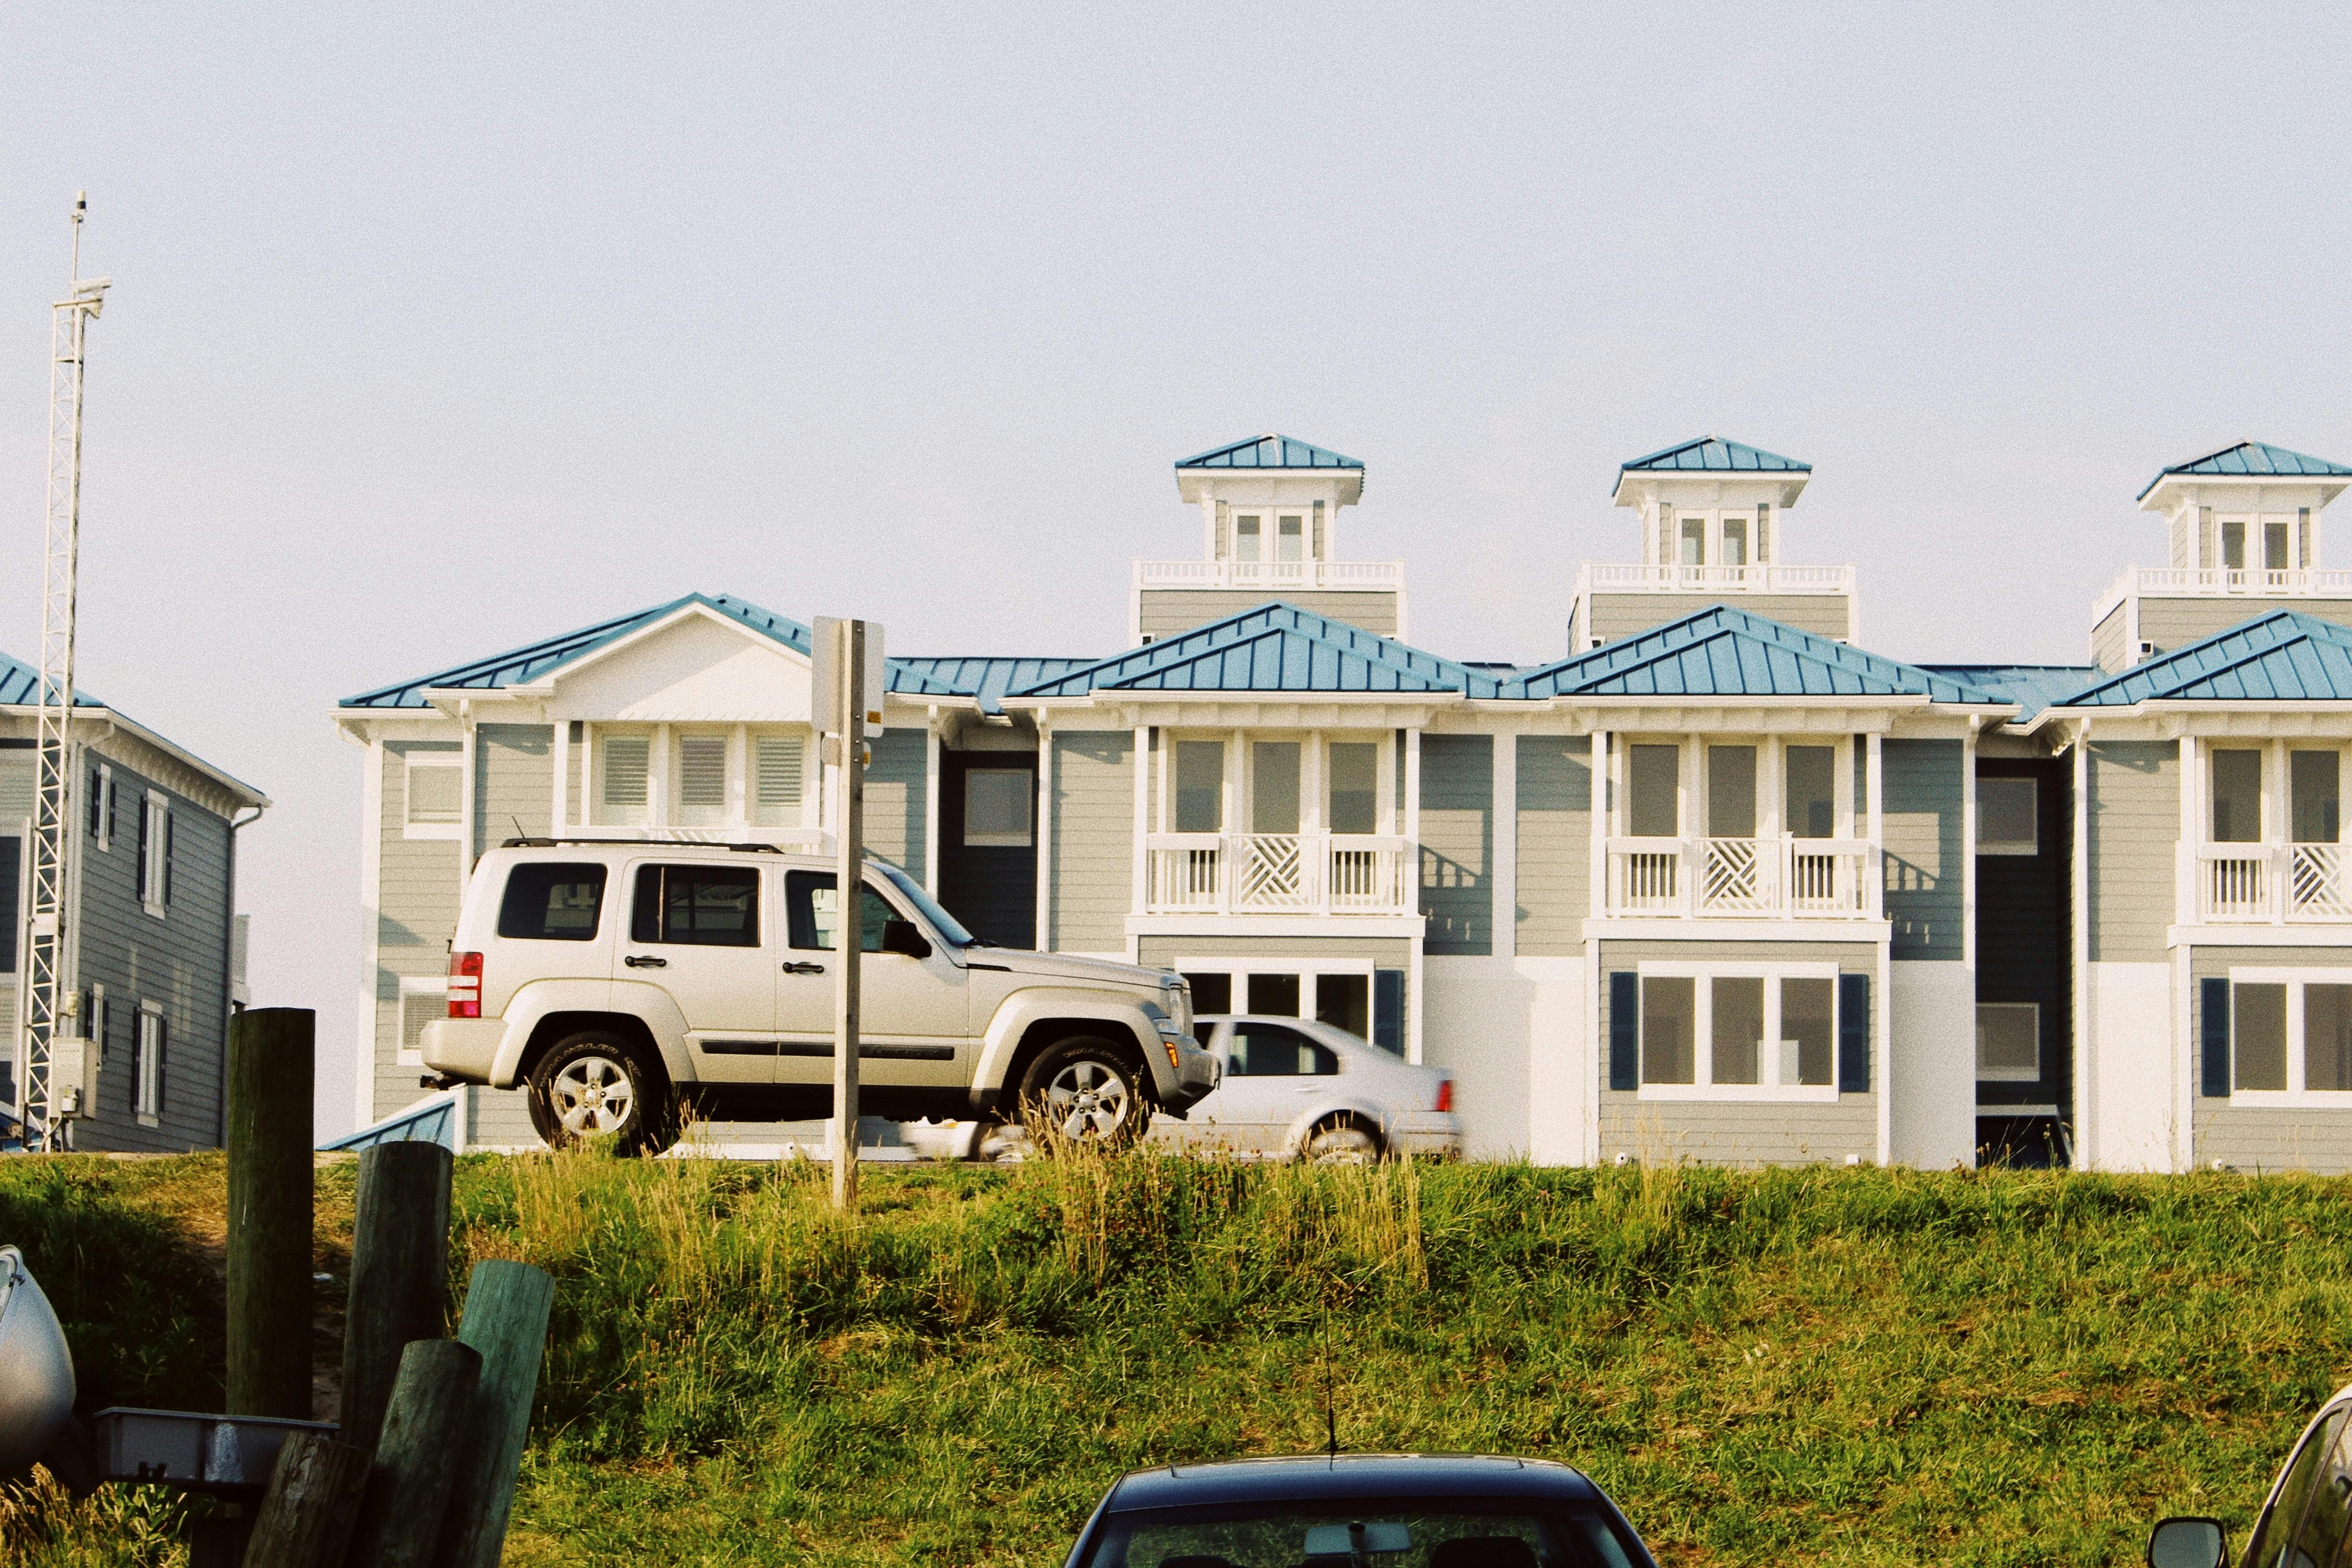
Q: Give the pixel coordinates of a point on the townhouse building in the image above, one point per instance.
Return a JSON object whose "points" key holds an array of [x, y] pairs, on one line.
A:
{"points": [[153, 953], [1717, 884]]}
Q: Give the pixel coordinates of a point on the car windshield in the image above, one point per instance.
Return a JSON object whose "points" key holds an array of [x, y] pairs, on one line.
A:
{"points": [[947, 925], [1436, 1535]]}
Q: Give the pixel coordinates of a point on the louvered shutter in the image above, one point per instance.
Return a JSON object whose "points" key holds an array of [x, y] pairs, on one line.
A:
{"points": [[162, 1059], [167, 855], [2214, 1034], [1624, 1030], [1853, 1034], [146, 815]]}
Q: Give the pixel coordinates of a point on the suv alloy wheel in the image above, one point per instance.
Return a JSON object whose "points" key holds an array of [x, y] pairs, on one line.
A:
{"points": [[1085, 1090], [597, 1084]]}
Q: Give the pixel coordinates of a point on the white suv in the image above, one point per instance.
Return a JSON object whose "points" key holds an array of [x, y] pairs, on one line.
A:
{"points": [[622, 981]]}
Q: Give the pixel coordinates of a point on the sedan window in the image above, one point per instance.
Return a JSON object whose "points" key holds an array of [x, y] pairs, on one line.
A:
{"points": [[2280, 1539], [1269, 1050]]}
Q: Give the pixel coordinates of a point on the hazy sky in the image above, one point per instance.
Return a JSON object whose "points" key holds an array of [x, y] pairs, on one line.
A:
{"points": [[438, 329]]}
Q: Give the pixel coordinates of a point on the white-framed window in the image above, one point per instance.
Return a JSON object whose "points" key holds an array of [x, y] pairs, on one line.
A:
{"points": [[2009, 1042], [2290, 1037], [100, 806], [999, 807], [434, 791], [1733, 1031], [2008, 817], [1280, 782], [155, 853], [1354, 994], [1249, 537], [2274, 791], [422, 1000], [147, 1065], [94, 1020], [1739, 787]]}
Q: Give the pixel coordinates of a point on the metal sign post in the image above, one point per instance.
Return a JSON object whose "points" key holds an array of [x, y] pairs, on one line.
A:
{"points": [[846, 703]]}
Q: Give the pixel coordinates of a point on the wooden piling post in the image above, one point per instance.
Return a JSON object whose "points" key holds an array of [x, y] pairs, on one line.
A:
{"points": [[400, 1268], [313, 1498], [424, 1433], [507, 1306], [269, 1191]]}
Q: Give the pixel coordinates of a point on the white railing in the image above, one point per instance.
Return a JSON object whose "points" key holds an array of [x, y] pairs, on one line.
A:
{"points": [[1345, 577], [1597, 578], [1767, 878], [2272, 883], [1253, 873], [2219, 582]]}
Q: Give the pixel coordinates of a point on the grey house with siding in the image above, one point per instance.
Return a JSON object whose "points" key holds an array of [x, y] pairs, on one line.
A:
{"points": [[150, 951], [1719, 884]]}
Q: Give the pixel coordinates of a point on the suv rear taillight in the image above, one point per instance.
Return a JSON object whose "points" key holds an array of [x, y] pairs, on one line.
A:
{"points": [[1444, 1084], [465, 985]]}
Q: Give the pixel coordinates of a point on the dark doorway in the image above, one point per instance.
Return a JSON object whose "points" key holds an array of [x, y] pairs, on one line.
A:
{"points": [[988, 843], [2024, 1024]]}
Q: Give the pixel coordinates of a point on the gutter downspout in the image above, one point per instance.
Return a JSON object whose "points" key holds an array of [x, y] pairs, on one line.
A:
{"points": [[228, 976]]}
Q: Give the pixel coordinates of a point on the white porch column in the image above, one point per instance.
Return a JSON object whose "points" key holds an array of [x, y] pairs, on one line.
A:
{"points": [[1044, 835], [1504, 870], [2085, 1027], [1140, 868], [931, 749], [559, 806], [1600, 817]]}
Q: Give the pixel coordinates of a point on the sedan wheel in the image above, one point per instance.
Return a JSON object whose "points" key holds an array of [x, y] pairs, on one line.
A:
{"points": [[1344, 1143]]}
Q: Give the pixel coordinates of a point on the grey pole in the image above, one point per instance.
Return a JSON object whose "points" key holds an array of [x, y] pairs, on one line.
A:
{"points": [[849, 912]]}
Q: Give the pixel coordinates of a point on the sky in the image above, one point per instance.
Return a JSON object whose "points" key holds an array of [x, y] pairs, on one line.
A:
{"points": [[437, 329]]}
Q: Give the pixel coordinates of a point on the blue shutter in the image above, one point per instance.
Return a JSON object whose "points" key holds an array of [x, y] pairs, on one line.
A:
{"points": [[1387, 1009], [1853, 1034], [97, 801], [1624, 1030], [168, 817], [144, 813], [162, 1058], [2215, 1035]]}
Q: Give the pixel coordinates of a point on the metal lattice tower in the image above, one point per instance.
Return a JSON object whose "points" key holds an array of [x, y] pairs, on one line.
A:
{"points": [[48, 1009]]}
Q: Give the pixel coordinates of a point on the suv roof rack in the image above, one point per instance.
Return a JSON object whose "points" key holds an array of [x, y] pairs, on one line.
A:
{"points": [[643, 844]]}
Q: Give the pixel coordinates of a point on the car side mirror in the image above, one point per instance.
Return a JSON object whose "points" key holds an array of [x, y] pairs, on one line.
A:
{"points": [[901, 937], [2188, 1543]]}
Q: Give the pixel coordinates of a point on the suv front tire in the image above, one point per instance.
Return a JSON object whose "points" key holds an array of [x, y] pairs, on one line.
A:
{"points": [[1085, 1089], [597, 1084]]}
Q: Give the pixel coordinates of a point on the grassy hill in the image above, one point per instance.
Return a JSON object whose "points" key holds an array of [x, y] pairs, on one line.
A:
{"points": [[1782, 1367]]}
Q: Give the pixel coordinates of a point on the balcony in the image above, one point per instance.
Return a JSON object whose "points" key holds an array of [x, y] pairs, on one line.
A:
{"points": [[1277, 873], [2219, 583], [2273, 884], [1605, 579], [1743, 878], [1268, 576]]}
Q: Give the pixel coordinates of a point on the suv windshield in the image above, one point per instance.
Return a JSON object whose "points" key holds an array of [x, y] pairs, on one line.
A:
{"points": [[1432, 1535], [946, 924]]}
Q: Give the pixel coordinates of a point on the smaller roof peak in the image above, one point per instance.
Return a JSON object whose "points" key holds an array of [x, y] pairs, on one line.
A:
{"points": [[1713, 454], [2251, 459], [1271, 450]]}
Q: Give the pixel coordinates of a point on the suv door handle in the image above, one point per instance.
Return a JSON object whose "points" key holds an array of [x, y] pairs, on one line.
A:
{"points": [[645, 961], [804, 968]]}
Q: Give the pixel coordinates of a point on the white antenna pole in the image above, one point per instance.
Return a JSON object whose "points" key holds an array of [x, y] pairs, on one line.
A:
{"points": [[47, 1010]]}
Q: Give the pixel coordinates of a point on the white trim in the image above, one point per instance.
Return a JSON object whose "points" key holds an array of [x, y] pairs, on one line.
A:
{"points": [[1138, 872], [1044, 835], [467, 788], [370, 935], [104, 802], [932, 751], [1337, 927], [412, 985], [2258, 936], [156, 869], [2008, 1075], [2295, 979], [445, 761], [146, 1063], [2011, 846], [2084, 1043], [1634, 929], [1968, 851], [1504, 846], [559, 802]]}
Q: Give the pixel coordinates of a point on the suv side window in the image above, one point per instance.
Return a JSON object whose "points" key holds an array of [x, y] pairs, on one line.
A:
{"points": [[703, 906], [2280, 1540], [1269, 1050], [548, 901], [811, 913]]}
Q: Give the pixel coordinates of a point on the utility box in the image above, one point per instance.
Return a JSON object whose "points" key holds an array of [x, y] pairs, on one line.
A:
{"points": [[73, 1076]]}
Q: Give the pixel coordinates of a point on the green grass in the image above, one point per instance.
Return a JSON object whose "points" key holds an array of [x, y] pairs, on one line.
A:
{"points": [[1797, 1366]]}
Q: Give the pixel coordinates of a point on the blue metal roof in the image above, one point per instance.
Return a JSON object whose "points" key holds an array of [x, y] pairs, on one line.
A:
{"points": [[1269, 451], [1723, 652], [2032, 686], [987, 680], [2284, 656], [20, 686], [1274, 647], [2254, 459], [518, 665], [1712, 453]]}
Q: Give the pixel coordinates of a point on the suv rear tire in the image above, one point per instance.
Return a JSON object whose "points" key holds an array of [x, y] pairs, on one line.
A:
{"points": [[597, 1083], [1085, 1089]]}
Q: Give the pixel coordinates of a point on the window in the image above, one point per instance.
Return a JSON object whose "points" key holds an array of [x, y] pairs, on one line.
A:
{"points": [[626, 772], [701, 906], [701, 799], [2233, 544], [2274, 546], [2008, 816], [552, 902], [2009, 1042], [1811, 809], [1274, 994], [812, 912], [1289, 539], [1211, 993], [94, 1022], [1726, 1033], [1345, 1002], [2237, 797], [1269, 1050], [2290, 1035], [1248, 539], [998, 806], [776, 781], [101, 805], [1652, 785], [1273, 794], [1735, 541], [1731, 792], [155, 854], [147, 1066], [1355, 787], [1694, 542], [2303, 536], [12, 864], [1764, 534], [1199, 787], [435, 789], [1365, 1001], [2313, 786]]}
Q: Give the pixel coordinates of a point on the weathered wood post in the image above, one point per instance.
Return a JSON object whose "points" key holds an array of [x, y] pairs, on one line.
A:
{"points": [[506, 1319], [269, 1163], [400, 1275], [313, 1501], [425, 1432]]}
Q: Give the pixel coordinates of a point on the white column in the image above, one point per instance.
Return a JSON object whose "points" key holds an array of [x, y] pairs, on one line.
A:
{"points": [[1314, 848], [1044, 835], [559, 803], [1600, 809], [658, 779], [1969, 849], [739, 788], [932, 748], [2085, 1028], [467, 829], [1505, 840], [2184, 859], [1875, 796], [1140, 865]]}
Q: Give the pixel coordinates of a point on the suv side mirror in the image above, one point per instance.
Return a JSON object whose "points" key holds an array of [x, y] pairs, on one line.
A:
{"points": [[2189, 1542], [902, 937]]}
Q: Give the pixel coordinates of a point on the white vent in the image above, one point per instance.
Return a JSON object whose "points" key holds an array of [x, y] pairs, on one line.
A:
{"points": [[776, 792], [624, 769], [702, 769]]}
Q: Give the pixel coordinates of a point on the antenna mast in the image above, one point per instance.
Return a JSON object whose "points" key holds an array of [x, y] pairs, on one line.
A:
{"points": [[48, 1009]]}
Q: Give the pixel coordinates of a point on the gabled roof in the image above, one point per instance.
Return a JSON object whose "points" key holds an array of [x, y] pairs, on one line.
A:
{"points": [[20, 686], [1269, 451], [1712, 453], [2254, 459], [2032, 686], [1723, 652], [2284, 656], [988, 680], [1274, 647], [519, 666]]}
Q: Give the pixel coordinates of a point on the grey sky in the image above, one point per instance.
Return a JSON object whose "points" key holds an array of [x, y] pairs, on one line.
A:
{"points": [[437, 328]]}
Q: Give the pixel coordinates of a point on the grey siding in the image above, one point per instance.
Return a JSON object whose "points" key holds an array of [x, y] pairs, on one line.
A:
{"points": [[2173, 623], [1923, 797], [1618, 616], [894, 801], [2135, 823], [1555, 864], [1457, 843], [417, 895], [1093, 824], [2107, 649], [2264, 1138], [514, 782], [1167, 611], [1733, 1132]]}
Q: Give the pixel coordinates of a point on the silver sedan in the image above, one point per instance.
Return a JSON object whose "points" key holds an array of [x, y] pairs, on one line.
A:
{"points": [[1295, 1088]]}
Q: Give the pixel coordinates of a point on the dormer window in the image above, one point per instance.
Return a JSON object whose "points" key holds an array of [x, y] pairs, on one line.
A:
{"points": [[1693, 552], [1248, 538], [1290, 537], [1735, 540]]}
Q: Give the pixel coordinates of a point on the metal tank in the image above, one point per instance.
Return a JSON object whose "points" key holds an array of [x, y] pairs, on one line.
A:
{"points": [[36, 1376]]}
